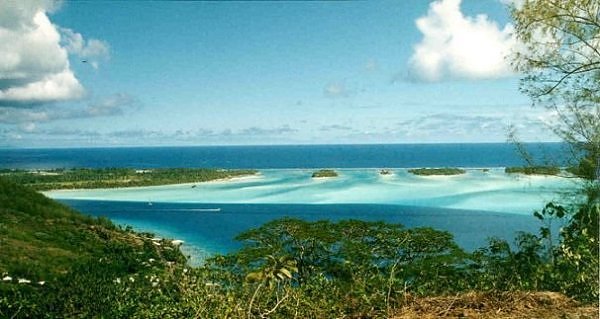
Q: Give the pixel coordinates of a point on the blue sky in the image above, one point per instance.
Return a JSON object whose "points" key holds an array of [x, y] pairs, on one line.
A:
{"points": [[228, 73]]}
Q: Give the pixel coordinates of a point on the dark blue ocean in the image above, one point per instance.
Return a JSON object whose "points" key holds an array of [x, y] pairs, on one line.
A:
{"points": [[209, 232], [293, 156]]}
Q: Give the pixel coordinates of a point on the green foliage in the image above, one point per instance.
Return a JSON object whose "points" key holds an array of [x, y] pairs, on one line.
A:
{"points": [[366, 265], [577, 258], [502, 268], [72, 262], [286, 268], [325, 173], [533, 170], [437, 171], [570, 266], [561, 62], [586, 167], [115, 177]]}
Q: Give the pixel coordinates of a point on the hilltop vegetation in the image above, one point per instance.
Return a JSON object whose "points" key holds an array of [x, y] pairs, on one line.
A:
{"points": [[115, 177]]}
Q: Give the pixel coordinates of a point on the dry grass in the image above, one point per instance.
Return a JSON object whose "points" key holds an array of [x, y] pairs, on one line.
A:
{"points": [[497, 305]]}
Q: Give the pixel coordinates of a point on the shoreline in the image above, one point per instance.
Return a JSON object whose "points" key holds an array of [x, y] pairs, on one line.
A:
{"points": [[353, 186], [214, 181], [393, 174]]}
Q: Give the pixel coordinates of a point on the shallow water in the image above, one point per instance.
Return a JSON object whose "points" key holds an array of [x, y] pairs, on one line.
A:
{"points": [[476, 190], [473, 206]]}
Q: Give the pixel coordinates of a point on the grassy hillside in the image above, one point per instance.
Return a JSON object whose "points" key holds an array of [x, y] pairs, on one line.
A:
{"points": [[54, 260]]}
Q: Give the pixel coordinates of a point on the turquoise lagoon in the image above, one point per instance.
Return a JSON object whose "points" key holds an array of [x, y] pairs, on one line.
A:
{"points": [[491, 190], [473, 206]]}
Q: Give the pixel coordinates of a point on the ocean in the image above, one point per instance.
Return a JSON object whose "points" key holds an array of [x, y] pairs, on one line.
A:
{"points": [[285, 156], [473, 207]]}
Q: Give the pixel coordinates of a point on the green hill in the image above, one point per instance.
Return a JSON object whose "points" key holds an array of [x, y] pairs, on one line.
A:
{"points": [[56, 260]]}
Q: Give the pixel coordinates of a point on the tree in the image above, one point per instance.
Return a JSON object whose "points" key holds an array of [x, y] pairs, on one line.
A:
{"points": [[560, 57]]}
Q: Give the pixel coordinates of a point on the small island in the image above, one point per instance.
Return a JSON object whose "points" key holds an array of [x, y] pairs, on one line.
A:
{"points": [[385, 172], [86, 178], [533, 170], [324, 173], [437, 171]]}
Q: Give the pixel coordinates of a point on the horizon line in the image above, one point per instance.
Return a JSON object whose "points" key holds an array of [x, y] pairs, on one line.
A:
{"points": [[266, 145]]}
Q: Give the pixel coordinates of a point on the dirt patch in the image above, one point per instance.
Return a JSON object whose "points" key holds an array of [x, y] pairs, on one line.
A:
{"points": [[507, 305]]}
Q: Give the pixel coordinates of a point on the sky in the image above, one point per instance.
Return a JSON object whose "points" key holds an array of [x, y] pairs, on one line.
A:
{"points": [[146, 73]]}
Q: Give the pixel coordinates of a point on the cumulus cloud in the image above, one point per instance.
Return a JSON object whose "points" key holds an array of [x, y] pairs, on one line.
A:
{"points": [[92, 50], [112, 105], [49, 88], [34, 68], [459, 46], [34, 55], [15, 13]]}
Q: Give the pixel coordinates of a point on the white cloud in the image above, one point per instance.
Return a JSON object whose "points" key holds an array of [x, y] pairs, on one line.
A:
{"points": [[28, 127], [458, 46], [112, 105], [51, 87], [18, 13], [91, 50], [34, 65], [336, 90], [115, 104], [533, 124]]}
